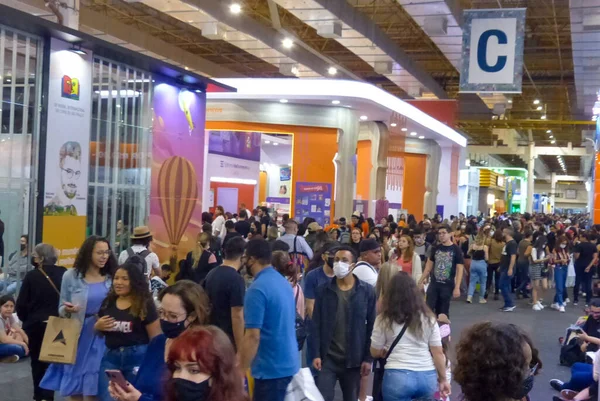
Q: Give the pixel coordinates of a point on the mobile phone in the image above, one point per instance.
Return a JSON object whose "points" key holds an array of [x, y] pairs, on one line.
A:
{"points": [[117, 377]]}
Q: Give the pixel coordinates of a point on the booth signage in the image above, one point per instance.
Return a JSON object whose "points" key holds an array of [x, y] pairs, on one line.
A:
{"points": [[313, 199], [67, 150], [492, 52], [232, 167]]}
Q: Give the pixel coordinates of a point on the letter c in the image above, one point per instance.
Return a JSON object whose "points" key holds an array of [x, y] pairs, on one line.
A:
{"points": [[482, 50]]}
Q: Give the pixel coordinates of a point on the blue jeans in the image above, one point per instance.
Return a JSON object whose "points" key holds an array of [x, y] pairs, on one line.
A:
{"points": [[8, 287], [406, 385], [271, 389], [582, 376], [11, 349], [125, 359], [560, 279], [505, 289], [478, 275]]}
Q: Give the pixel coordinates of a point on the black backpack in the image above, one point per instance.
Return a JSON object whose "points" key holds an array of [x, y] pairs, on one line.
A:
{"points": [[138, 258], [300, 325], [570, 351]]}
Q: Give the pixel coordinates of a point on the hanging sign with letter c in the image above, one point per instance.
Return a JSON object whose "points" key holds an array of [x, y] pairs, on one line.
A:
{"points": [[492, 53]]}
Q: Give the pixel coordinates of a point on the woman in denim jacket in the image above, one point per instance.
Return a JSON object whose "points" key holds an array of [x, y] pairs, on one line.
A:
{"points": [[83, 290]]}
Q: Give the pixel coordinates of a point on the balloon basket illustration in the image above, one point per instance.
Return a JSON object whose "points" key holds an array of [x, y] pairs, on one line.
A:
{"points": [[178, 193]]}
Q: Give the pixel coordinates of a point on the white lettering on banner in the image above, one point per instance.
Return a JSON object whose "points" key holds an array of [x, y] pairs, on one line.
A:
{"points": [[231, 167]]}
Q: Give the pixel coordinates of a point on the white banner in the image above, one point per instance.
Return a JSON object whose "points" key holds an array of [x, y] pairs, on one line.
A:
{"points": [[233, 168], [394, 179], [68, 131]]}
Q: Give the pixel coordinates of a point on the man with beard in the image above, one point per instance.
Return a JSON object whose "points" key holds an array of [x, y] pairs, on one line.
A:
{"points": [[269, 346], [70, 171]]}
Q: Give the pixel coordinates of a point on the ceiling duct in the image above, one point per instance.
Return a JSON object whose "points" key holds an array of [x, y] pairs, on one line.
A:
{"points": [[213, 30], [330, 30], [289, 69], [436, 25], [383, 67]]}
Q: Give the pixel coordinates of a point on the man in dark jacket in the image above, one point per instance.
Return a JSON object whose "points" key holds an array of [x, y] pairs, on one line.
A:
{"points": [[343, 319]]}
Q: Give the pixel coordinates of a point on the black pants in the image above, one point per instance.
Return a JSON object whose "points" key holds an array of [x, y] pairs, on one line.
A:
{"points": [[493, 274], [439, 297], [522, 277], [35, 333], [583, 279], [330, 373]]}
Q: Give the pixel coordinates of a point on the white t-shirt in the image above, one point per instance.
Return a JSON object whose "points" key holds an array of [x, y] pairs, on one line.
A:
{"points": [[152, 261], [411, 352], [219, 225], [535, 256], [366, 273]]}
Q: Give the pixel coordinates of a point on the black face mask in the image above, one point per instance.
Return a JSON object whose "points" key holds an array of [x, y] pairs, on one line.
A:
{"points": [[33, 261], [186, 390], [172, 330], [23, 246]]}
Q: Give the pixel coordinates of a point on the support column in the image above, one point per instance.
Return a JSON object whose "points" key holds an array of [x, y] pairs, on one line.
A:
{"points": [[530, 179], [552, 192], [67, 12], [344, 160], [434, 160]]}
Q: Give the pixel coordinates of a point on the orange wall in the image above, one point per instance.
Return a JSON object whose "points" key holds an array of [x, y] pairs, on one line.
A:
{"points": [[442, 110], [262, 187], [313, 151], [413, 191], [363, 170], [245, 194]]}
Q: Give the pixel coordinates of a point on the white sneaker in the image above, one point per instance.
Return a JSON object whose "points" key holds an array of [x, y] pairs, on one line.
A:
{"points": [[567, 301], [561, 309], [554, 306], [539, 303], [537, 307]]}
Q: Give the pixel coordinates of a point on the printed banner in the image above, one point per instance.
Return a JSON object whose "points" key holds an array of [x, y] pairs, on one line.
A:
{"points": [[232, 167], [285, 173], [394, 179], [238, 144], [313, 199], [177, 170], [67, 150], [492, 52]]}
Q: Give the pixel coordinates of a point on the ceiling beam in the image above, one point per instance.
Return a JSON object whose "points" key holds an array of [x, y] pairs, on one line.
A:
{"points": [[522, 150]]}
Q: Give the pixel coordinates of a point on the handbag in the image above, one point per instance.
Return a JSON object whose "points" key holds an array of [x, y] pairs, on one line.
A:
{"points": [[61, 336], [300, 323], [380, 367]]}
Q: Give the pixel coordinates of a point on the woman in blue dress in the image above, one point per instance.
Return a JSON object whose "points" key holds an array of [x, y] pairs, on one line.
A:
{"points": [[83, 290]]}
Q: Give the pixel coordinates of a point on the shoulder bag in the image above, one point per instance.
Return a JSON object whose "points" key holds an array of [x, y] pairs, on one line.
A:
{"points": [[380, 366]]}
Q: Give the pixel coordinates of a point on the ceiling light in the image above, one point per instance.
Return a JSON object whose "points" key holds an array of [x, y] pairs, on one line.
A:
{"points": [[543, 117], [553, 141], [76, 48], [364, 118], [235, 8], [539, 108], [536, 101], [413, 133], [335, 102], [549, 131], [393, 124], [332, 70], [8, 80], [118, 106], [551, 136], [275, 143], [267, 142], [404, 129], [509, 101], [421, 137], [283, 101], [198, 91], [287, 43]]}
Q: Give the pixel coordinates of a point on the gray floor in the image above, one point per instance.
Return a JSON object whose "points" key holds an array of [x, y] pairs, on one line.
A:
{"points": [[546, 326]]}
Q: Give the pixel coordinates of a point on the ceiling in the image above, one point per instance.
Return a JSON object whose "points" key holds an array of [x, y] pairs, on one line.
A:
{"points": [[388, 43]]}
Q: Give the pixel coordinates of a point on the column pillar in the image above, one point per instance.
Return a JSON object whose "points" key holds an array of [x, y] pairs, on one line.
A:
{"points": [[552, 192], [530, 179], [432, 173], [67, 12], [344, 160]]}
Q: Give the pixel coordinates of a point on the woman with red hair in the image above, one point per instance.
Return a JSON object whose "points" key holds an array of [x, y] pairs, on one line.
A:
{"points": [[202, 366]]}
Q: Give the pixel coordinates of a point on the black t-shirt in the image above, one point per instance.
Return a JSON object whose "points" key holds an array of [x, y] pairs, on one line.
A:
{"points": [[511, 248], [226, 289], [592, 329], [265, 220], [586, 251], [230, 235], [242, 227], [551, 240], [128, 330], [518, 237], [445, 258]]}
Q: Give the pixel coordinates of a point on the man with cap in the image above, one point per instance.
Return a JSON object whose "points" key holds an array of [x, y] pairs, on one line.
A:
{"points": [[369, 261], [140, 245], [313, 228]]}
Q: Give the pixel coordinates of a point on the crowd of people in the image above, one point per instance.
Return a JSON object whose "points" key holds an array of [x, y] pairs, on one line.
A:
{"points": [[257, 299]]}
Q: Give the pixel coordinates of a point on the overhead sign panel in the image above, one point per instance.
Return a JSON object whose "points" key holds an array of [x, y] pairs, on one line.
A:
{"points": [[492, 52]]}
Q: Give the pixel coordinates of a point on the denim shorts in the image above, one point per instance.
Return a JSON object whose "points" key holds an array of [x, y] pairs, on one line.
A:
{"points": [[406, 385]]}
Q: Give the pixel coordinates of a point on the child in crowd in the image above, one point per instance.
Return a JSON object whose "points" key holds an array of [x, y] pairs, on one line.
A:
{"points": [[14, 343], [444, 324], [157, 284]]}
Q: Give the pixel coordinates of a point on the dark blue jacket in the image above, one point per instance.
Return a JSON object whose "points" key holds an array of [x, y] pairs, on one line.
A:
{"points": [[361, 317], [150, 379]]}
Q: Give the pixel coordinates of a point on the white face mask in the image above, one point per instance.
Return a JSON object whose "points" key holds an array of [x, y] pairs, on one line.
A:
{"points": [[341, 269], [563, 246]]}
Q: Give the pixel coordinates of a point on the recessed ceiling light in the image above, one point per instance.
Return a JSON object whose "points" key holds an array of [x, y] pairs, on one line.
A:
{"points": [[267, 142], [364, 118], [543, 117], [413, 133], [275, 143], [509, 101], [549, 131], [539, 108], [551, 136], [186, 68], [287, 43], [404, 129], [335, 102], [235, 8], [536, 101], [283, 101], [553, 141], [332, 71], [421, 137], [393, 124]]}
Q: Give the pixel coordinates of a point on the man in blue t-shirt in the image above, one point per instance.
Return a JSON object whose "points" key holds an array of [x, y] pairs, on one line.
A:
{"points": [[269, 346]]}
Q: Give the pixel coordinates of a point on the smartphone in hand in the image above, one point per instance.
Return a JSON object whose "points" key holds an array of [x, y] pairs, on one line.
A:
{"points": [[117, 377]]}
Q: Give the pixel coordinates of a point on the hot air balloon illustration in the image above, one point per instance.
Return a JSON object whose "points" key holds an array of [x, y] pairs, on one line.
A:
{"points": [[178, 193], [186, 98]]}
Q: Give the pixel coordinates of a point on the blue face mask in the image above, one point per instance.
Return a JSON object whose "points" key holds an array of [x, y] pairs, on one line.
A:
{"points": [[172, 330]]}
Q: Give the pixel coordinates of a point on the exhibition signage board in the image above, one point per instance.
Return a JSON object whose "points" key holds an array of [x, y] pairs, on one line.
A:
{"points": [[313, 199], [492, 51], [67, 150]]}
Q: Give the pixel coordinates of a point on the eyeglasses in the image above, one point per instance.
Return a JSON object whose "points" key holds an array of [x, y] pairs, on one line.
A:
{"points": [[71, 173], [171, 316]]}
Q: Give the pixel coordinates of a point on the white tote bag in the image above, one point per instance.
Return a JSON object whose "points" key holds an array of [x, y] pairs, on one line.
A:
{"points": [[303, 388], [571, 273]]}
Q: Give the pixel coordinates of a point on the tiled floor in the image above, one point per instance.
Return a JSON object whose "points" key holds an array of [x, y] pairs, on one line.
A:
{"points": [[546, 326]]}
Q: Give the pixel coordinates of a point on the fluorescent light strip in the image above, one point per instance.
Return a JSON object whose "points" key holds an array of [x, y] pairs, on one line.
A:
{"points": [[233, 180], [274, 88]]}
